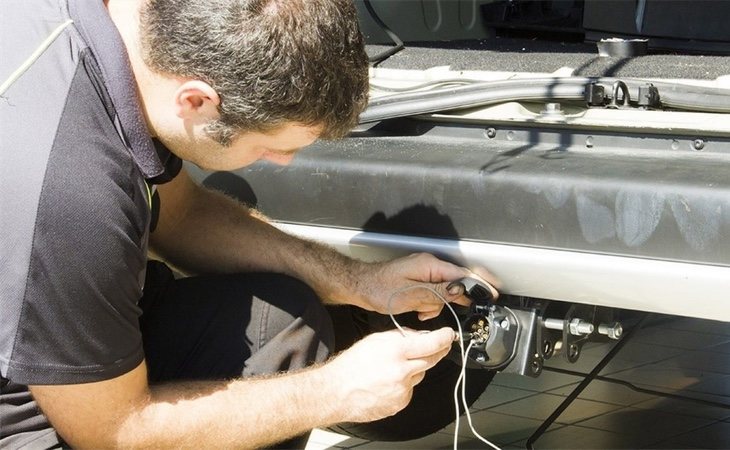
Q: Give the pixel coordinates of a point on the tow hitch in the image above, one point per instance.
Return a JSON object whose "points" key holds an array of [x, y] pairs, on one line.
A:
{"points": [[519, 334]]}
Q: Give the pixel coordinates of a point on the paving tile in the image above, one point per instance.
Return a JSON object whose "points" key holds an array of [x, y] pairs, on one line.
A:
{"points": [[718, 386], [588, 361], [645, 427], [497, 395], [541, 406], [713, 436], [634, 354], [702, 360], [668, 378], [685, 407], [434, 441], [546, 381], [498, 428], [723, 348], [699, 326], [643, 352], [606, 392], [688, 340], [577, 437]]}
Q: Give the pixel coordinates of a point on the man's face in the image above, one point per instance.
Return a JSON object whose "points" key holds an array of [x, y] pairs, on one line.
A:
{"points": [[278, 146]]}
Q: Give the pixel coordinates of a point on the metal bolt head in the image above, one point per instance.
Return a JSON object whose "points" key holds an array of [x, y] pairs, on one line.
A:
{"points": [[698, 144], [579, 327], [612, 331], [491, 133]]}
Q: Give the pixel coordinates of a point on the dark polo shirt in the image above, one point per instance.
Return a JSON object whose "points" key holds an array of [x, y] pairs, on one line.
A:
{"points": [[76, 161]]}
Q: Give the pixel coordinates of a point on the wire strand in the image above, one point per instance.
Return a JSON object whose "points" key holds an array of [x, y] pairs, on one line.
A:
{"points": [[462, 380], [464, 352]]}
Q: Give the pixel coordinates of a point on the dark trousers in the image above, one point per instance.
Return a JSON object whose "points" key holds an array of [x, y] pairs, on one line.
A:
{"points": [[226, 326]]}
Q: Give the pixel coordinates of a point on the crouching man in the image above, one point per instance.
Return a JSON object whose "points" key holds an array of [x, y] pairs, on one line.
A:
{"points": [[101, 346]]}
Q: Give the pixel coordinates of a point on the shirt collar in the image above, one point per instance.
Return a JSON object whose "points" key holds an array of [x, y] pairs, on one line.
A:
{"points": [[96, 27]]}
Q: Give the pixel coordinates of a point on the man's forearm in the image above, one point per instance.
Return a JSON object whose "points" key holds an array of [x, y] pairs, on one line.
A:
{"points": [[229, 414], [209, 232]]}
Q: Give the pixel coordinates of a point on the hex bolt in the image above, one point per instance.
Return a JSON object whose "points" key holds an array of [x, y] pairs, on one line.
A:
{"points": [[612, 330], [576, 327], [480, 358], [698, 144], [504, 324], [491, 133], [580, 327]]}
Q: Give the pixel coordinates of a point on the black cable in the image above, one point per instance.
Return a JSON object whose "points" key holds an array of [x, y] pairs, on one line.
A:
{"points": [[380, 57], [472, 95]]}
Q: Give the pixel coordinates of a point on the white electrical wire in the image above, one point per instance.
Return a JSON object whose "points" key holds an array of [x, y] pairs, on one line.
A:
{"points": [[461, 380]]}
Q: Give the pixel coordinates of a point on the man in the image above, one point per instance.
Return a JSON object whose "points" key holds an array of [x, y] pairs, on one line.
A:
{"points": [[117, 352]]}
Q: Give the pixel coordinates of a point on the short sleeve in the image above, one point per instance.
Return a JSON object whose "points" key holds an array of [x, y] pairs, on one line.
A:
{"points": [[78, 317]]}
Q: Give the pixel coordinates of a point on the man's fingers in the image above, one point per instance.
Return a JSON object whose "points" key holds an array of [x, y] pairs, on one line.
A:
{"points": [[455, 292], [427, 362], [423, 345], [430, 311], [417, 378]]}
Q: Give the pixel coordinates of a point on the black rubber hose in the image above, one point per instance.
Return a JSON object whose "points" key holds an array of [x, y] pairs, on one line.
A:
{"points": [[672, 95]]}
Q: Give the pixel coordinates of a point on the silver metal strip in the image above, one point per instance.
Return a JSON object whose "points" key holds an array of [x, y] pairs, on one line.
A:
{"points": [[676, 288]]}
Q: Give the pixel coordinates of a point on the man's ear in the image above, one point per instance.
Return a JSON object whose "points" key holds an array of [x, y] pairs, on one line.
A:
{"points": [[195, 100]]}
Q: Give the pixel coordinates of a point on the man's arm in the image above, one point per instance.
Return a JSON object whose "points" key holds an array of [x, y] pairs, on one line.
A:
{"points": [[371, 380], [202, 231]]}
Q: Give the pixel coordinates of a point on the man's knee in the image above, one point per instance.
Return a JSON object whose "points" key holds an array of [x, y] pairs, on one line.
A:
{"points": [[290, 328]]}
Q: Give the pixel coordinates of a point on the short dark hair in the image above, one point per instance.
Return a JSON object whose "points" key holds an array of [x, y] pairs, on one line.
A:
{"points": [[271, 61]]}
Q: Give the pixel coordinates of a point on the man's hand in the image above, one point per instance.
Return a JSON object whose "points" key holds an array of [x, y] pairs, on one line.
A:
{"points": [[376, 376], [378, 282]]}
